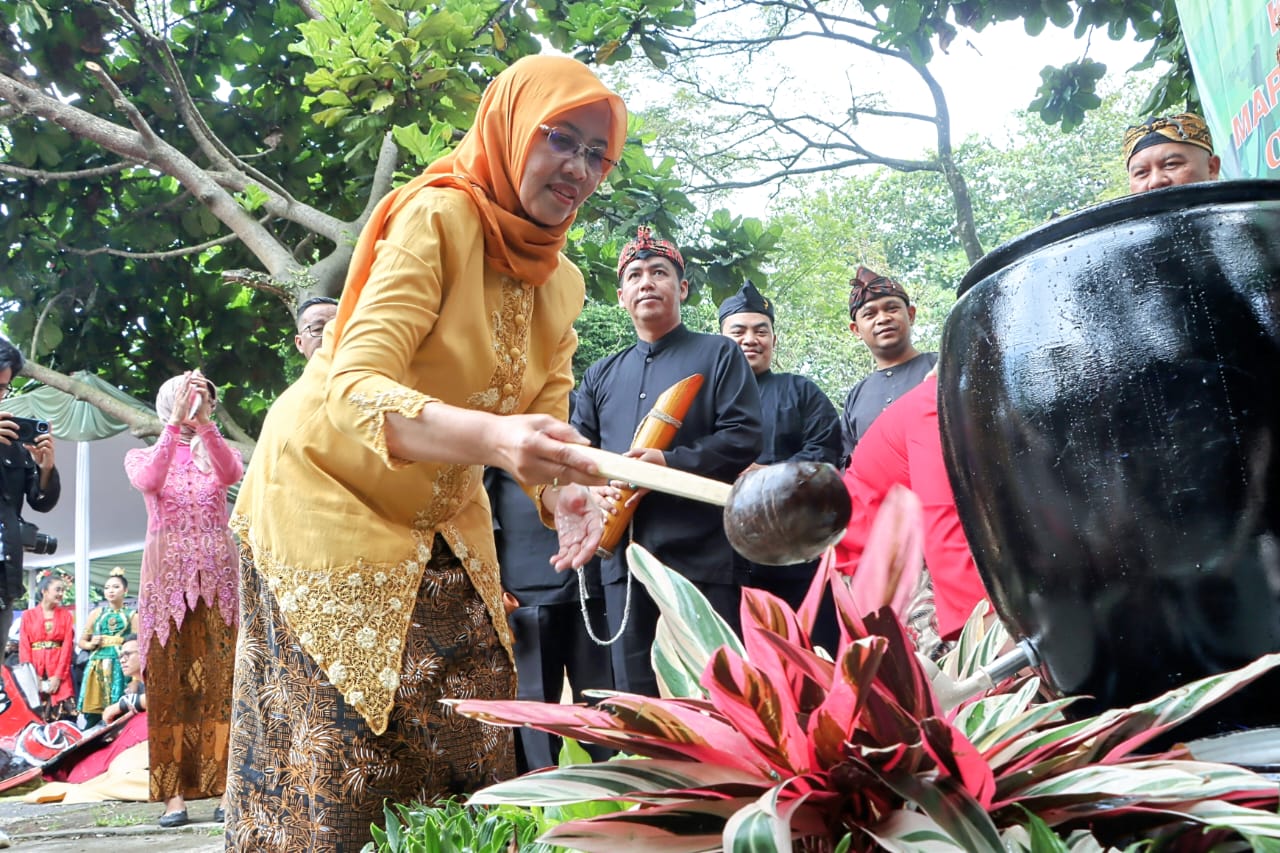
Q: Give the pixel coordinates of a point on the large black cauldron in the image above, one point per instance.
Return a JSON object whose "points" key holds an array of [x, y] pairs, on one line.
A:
{"points": [[1110, 408]]}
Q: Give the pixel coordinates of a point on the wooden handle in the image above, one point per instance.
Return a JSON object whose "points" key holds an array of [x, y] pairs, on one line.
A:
{"points": [[661, 479]]}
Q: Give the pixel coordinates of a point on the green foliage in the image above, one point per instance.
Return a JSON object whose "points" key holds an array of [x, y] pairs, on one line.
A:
{"points": [[94, 261], [774, 746], [1066, 93], [451, 827], [603, 329], [102, 273], [901, 224]]}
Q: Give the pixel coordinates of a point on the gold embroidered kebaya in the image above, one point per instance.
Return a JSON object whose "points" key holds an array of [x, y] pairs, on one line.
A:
{"points": [[345, 565]]}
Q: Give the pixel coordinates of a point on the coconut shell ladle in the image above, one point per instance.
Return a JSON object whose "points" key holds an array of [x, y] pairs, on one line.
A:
{"points": [[785, 513]]}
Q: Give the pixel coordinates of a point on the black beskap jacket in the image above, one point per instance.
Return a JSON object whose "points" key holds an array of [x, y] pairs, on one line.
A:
{"points": [[19, 480]]}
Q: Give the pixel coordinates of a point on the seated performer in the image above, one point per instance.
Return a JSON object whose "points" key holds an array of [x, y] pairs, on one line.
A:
{"points": [[104, 680], [47, 642]]}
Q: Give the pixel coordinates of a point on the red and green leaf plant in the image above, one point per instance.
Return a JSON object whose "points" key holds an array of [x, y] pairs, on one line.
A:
{"points": [[779, 748]]}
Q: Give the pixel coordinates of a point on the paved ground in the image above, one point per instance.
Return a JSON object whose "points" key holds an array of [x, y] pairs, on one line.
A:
{"points": [[113, 826]]}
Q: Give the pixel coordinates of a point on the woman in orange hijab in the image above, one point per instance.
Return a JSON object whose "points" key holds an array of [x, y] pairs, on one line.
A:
{"points": [[369, 582]]}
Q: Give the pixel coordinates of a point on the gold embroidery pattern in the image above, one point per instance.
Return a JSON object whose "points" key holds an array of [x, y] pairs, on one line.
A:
{"points": [[453, 485], [373, 416], [487, 580], [510, 350], [351, 620], [510, 356]]}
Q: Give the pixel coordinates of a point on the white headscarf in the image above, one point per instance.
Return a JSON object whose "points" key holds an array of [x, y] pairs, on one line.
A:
{"points": [[165, 401]]}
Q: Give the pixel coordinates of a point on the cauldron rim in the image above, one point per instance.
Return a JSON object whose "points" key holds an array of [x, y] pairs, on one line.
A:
{"points": [[1118, 210]]}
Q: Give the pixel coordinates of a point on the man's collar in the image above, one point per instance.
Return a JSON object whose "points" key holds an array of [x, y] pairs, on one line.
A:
{"points": [[671, 337]]}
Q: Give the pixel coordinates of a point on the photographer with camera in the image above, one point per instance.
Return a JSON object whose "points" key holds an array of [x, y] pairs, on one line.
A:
{"points": [[26, 473]]}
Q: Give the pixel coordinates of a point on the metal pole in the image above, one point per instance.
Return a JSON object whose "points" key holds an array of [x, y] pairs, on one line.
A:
{"points": [[82, 535]]}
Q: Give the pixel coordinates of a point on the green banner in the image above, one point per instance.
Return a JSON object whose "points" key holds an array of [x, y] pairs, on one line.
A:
{"points": [[1233, 46]]}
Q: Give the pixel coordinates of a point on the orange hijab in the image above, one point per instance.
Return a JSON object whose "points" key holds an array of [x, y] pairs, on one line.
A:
{"points": [[488, 165]]}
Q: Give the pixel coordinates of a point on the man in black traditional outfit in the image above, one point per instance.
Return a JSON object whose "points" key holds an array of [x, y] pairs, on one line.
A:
{"points": [[718, 438], [1169, 151], [881, 315], [799, 423]]}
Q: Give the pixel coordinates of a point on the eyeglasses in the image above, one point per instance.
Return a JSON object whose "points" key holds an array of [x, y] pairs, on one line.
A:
{"points": [[315, 330], [568, 145]]}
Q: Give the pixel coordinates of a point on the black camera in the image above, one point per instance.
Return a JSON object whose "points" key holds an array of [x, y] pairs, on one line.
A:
{"points": [[35, 541], [29, 429]]}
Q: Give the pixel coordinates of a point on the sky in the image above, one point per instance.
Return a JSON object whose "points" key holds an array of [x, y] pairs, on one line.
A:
{"points": [[997, 72]]}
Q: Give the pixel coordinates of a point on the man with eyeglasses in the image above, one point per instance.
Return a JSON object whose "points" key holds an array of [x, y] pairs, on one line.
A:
{"points": [[135, 695], [313, 315], [27, 473]]}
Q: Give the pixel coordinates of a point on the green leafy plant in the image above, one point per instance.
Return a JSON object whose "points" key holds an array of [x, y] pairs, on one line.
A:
{"points": [[776, 747], [451, 827]]}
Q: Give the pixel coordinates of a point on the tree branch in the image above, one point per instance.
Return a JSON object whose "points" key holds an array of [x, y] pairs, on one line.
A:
{"points": [[308, 8], [150, 256], [146, 147], [330, 272], [44, 176]]}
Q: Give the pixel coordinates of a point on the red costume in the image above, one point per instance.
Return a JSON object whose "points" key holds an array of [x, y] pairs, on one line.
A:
{"points": [[904, 447], [49, 643]]}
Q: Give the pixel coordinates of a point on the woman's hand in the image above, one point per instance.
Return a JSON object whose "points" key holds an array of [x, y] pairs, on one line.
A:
{"points": [[54, 683], [579, 525], [182, 402], [201, 392], [540, 449]]}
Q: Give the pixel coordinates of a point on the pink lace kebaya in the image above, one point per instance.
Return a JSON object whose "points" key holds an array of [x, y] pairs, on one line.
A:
{"points": [[189, 554]]}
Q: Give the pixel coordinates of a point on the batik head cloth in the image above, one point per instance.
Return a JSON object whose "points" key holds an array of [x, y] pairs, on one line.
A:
{"points": [[748, 300], [1184, 127], [645, 246], [867, 285]]}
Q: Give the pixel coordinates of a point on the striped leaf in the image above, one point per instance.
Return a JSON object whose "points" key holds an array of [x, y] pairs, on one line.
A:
{"points": [[675, 677], [959, 815], [893, 558], [1259, 827], [620, 778], [770, 823], [689, 827], [1149, 781], [757, 704], [905, 831], [695, 629], [978, 645], [637, 725], [1117, 733]]}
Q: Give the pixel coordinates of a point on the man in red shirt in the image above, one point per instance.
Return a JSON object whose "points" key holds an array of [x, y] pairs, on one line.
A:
{"points": [[904, 447]]}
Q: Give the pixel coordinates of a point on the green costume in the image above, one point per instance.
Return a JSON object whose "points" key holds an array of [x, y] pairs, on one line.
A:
{"points": [[104, 680]]}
